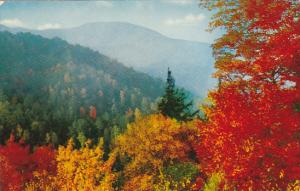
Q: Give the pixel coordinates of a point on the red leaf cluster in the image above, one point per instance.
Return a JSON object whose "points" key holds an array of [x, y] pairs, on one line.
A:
{"points": [[253, 128], [93, 112], [17, 164]]}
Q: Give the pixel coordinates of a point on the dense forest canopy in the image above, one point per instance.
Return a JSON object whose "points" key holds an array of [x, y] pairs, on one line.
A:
{"points": [[49, 88]]}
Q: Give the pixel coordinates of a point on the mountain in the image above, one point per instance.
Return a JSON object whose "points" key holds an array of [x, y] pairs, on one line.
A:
{"points": [[51, 90], [145, 50]]}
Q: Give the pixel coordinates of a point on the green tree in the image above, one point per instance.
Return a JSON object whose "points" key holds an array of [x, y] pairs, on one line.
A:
{"points": [[174, 102]]}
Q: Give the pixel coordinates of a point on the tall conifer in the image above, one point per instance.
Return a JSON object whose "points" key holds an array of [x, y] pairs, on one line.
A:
{"points": [[173, 103]]}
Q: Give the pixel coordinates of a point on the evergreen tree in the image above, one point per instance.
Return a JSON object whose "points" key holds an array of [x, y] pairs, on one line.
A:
{"points": [[173, 103]]}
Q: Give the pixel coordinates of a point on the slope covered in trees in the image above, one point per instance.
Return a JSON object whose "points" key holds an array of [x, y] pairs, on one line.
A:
{"points": [[51, 91], [248, 139], [143, 49]]}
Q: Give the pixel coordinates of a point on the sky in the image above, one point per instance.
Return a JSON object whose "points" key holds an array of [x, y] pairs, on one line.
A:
{"points": [[180, 19]]}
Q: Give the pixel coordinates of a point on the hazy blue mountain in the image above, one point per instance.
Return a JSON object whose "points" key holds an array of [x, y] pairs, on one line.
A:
{"points": [[145, 50]]}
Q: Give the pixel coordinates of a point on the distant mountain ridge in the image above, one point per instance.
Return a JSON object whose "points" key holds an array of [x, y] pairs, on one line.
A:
{"points": [[145, 50]]}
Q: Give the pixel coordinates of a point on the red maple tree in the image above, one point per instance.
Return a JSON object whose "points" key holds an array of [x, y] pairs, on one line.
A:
{"points": [[253, 128], [93, 112], [17, 163]]}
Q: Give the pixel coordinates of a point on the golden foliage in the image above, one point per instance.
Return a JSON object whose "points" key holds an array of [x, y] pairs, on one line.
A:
{"points": [[83, 169], [151, 144], [294, 186], [142, 182], [80, 170]]}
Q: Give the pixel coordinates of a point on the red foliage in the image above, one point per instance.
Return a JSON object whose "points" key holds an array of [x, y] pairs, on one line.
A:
{"points": [[93, 112], [253, 130], [10, 178], [252, 137], [44, 159], [18, 157], [17, 164]]}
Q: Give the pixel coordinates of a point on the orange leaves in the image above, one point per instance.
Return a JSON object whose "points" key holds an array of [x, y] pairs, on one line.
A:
{"points": [[252, 128], [263, 34], [152, 143], [141, 182], [245, 128], [269, 13], [77, 169], [159, 150], [83, 169], [152, 140]]}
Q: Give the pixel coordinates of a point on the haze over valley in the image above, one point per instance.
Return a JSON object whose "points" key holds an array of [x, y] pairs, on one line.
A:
{"points": [[144, 50]]}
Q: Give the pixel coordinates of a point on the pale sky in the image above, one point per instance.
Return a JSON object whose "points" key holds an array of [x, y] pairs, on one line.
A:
{"points": [[181, 19]]}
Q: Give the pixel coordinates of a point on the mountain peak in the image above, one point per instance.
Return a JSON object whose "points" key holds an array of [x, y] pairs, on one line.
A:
{"points": [[145, 50], [123, 27]]}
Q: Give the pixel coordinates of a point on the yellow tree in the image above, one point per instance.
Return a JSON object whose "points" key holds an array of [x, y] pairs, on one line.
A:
{"points": [[78, 170], [153, 146]]}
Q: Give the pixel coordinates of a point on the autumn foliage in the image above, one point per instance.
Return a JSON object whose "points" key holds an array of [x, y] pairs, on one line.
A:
{"points": [[18, 164], [153, 145], [77, 169], [247, 139], [252, 132], [93, 112]]}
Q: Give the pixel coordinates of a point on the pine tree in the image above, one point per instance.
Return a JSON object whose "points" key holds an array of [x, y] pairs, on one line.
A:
{"points": [[173, 104]]}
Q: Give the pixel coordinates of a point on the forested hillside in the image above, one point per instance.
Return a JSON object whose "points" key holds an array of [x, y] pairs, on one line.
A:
{"points": [[63, 111], [51, 91], [143, 49]]}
